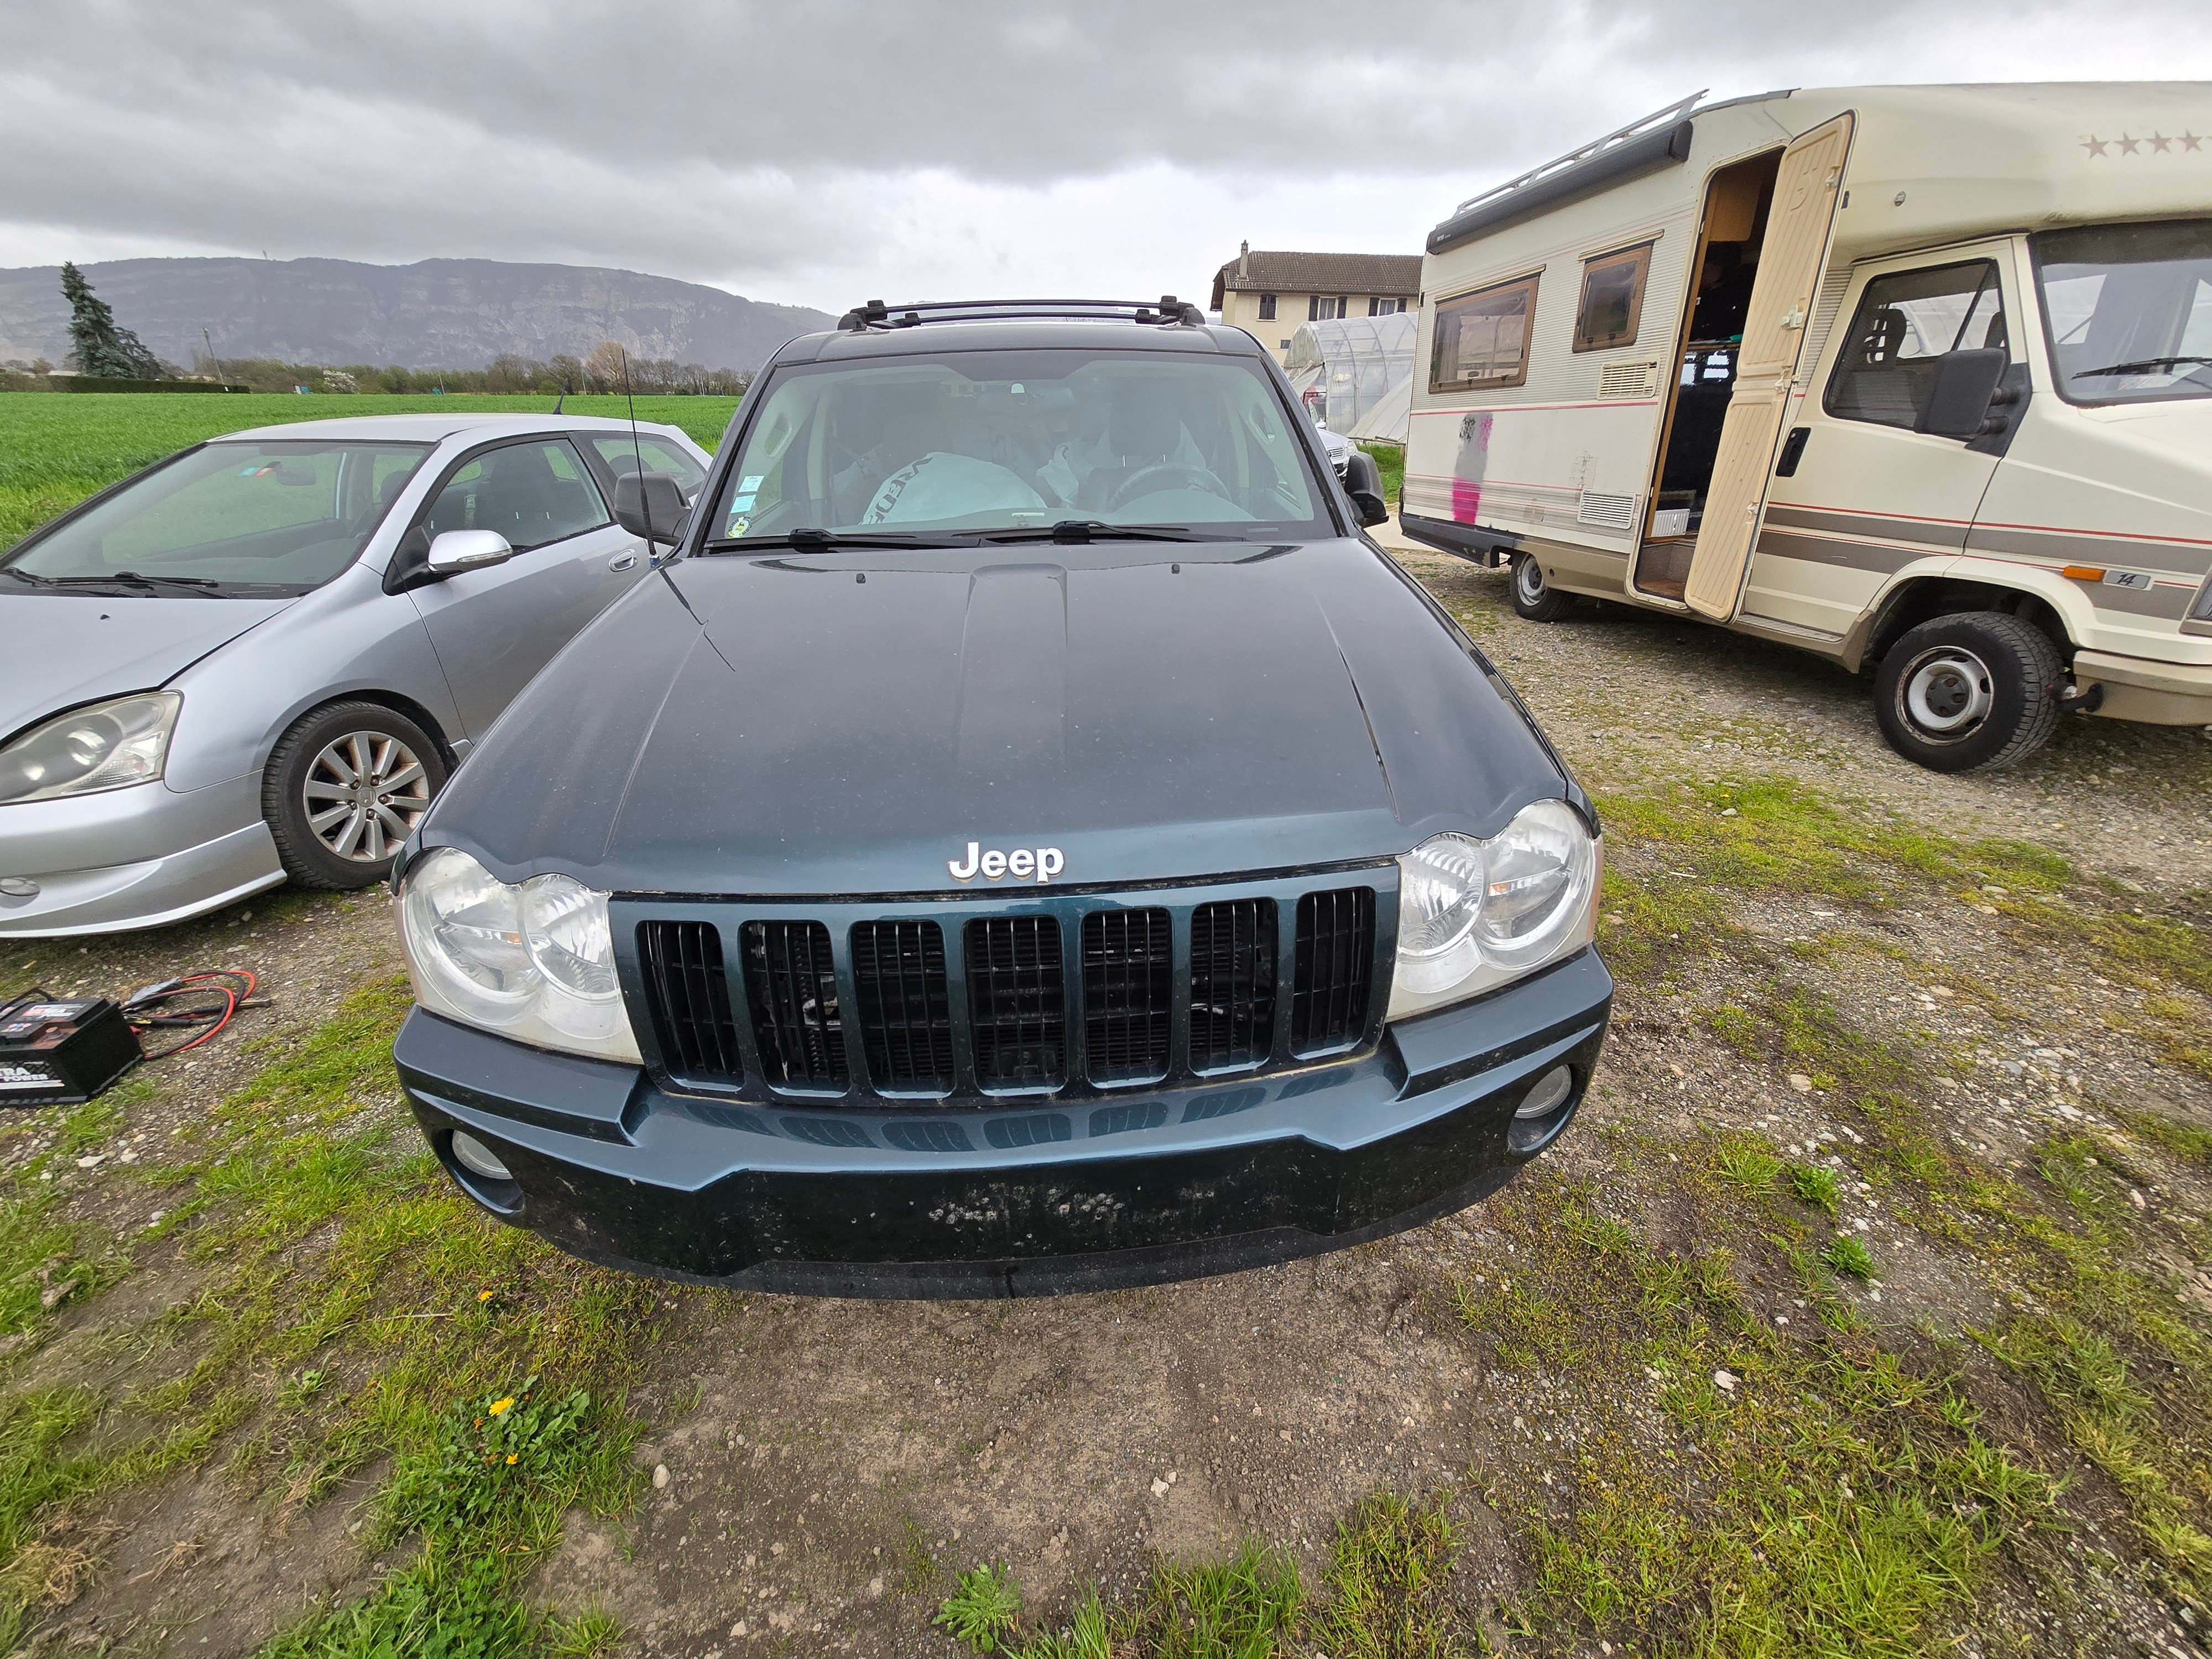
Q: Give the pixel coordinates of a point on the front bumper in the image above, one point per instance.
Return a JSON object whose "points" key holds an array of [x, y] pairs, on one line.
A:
{"points": [[139, 857], [1010, 1200]]}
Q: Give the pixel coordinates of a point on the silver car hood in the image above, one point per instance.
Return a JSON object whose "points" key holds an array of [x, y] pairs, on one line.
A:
{"points": [[61, 650]]}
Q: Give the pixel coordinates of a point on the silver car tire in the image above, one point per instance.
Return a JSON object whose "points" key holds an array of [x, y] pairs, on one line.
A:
{"points": [[344, 789]]}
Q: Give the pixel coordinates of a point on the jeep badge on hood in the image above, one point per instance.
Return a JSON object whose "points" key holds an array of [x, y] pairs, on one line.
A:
{"points": [[1044, 863]]}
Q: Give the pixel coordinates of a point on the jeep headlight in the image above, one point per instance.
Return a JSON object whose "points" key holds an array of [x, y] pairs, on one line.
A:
{"points": [[534, 962], [103, 746], [1473, 913]]}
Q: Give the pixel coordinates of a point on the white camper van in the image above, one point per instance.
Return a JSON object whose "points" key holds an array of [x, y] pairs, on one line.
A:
{"points": [[1916, 378]]}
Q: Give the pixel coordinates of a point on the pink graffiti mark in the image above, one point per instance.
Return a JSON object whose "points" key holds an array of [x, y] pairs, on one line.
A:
{"points": [[1467, 500]]}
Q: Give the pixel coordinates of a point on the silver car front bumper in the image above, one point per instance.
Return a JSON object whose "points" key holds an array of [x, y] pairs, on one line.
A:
{"points": [[131, 858]]}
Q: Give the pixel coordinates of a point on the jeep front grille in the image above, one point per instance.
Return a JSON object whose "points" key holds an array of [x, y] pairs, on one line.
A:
{"points": [[906, 1015], [793, 983], [690, 995], [1232, 983], [1016, 992], [1128, 990], [1017, 1003], [1335, 963]]}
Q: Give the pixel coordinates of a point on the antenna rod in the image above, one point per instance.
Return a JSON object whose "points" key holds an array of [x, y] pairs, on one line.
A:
{"points": [[637, 450]]}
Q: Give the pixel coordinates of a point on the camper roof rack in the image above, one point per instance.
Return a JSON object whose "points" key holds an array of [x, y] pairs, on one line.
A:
{"points": [[876, 315], [1574, 157]]}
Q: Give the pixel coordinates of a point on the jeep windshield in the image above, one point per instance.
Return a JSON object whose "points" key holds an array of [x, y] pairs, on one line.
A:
{"points": [[2129, 308], [958, 447]]}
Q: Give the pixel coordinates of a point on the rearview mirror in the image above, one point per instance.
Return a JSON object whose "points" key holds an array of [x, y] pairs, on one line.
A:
{"points": [[1363, 482], [649, 504], [456, 550], [1959, 397]]}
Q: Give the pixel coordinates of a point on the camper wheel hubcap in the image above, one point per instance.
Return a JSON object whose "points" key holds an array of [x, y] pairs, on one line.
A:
{"points": [[1528, 577], [1949, 691]]}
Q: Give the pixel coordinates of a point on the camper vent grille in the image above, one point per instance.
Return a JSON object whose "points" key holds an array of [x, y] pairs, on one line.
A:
{"points": [[1606, 512], [1629, 380]]}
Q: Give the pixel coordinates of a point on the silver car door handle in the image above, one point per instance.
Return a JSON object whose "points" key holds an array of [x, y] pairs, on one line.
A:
{"points": [[621, 561]]}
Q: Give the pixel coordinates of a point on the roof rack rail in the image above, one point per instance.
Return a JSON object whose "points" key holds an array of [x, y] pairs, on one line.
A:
{"points": [[875, 314], [1658, 117]]}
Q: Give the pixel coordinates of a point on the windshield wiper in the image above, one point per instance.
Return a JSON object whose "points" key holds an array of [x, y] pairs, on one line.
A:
{"points": [[133, 579], [2147, 366], [1076, 531], [26, 575], [808, 540]]}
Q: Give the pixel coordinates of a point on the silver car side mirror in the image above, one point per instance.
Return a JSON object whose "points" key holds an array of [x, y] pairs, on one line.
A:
{"points": [[456, 550]]}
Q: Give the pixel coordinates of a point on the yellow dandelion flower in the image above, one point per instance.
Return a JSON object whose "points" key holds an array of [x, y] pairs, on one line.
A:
{"points": [[499, 1406], [483, 1296], [511, 1456]]}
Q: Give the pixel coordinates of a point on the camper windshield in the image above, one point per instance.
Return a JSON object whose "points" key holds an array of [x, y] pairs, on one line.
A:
{"points": [[916, 450], [2129, 310]]}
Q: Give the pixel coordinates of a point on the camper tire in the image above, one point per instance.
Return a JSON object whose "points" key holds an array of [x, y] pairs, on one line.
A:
{"points": [[1534, 597], [1978, 688]]}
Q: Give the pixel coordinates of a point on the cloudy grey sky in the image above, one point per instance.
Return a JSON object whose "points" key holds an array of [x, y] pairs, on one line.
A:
{"points": [[820, 153]]}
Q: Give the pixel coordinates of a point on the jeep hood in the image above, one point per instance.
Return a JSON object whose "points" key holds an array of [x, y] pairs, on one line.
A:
{"points": [[806, 725], [66, 649]]}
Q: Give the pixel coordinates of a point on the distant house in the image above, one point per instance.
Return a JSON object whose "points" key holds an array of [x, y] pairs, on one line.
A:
{"points": [[1269, 294]]}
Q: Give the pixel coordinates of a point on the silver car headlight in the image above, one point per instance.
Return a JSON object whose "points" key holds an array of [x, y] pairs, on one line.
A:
{"points": [[104, 745], [1473, 914], [535, 963]]}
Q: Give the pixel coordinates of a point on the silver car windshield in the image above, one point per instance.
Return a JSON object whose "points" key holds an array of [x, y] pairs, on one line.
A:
{"points": [[2129, 308], [242, 519], [1011, 440]]}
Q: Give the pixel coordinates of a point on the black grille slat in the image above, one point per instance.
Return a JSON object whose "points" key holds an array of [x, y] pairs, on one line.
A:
{"points": [[688, 994], [905, 1013], [1232, 983], [793, 988], [1335, 969], [1128, 994], [1017, 1002]]}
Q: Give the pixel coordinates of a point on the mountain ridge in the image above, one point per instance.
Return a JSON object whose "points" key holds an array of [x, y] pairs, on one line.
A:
{"points": [[433, 313]]}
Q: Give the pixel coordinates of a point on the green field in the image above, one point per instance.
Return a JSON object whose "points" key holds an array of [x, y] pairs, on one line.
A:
{"points": [[55, 449]]}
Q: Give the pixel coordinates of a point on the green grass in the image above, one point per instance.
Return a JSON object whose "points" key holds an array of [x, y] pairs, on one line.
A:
{"points": [[1390, 462], [55, 449], [347, 1297]]}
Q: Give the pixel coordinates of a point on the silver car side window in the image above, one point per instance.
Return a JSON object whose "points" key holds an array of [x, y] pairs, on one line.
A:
{"points": [[533, 493]]}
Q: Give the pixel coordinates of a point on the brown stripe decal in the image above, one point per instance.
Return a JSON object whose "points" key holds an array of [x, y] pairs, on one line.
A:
{"points": [[2165, 603], [1925, 533], [2169, 558], [1828, 550]]}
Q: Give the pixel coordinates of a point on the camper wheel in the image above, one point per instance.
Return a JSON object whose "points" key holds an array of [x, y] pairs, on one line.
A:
{"points": [[1977, 689], [1532, 597]]}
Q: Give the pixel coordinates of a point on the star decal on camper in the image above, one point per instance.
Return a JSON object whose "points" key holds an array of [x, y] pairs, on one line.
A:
{"points": [[2129, 146], [2190, 140], [2093, 144], [2159, 142]]}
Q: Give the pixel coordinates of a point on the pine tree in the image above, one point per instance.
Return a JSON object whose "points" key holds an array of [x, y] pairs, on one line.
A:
{"points": [[97, 346]]}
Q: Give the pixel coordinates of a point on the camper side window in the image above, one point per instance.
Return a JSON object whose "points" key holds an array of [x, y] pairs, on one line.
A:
{"points": [[1482, 339], [1613, 299], [1905, 322]]}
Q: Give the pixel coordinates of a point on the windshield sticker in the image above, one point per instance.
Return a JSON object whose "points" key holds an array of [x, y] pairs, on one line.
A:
{"points": [[738, 525], [742, 504], [752, 482]]}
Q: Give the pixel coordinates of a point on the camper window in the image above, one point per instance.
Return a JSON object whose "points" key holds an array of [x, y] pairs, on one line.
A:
{"points": [[1613, 299], [1482, 338], [1905, 322], [2129, 308]]}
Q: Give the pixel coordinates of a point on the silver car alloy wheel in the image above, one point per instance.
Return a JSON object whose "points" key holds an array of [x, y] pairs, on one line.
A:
{"points": [[364, 793], [1947, 692]]}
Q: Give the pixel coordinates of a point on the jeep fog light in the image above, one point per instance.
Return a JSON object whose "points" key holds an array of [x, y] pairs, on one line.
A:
{"points": [[1474, 914], [1551, 1091], [473, 1155]]}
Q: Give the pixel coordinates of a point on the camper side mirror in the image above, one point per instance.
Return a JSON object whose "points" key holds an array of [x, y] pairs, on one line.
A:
{"points": [[1959, 397], [649, 504], [1363, 482]]}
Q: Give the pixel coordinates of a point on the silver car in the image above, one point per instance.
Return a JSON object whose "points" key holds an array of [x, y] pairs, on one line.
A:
{"points": [[261, 657]]}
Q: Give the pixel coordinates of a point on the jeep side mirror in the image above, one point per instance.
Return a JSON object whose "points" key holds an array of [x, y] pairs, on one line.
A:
{"points": [[649, 504], [1363, 482], [1959, 395], [456, 550]]}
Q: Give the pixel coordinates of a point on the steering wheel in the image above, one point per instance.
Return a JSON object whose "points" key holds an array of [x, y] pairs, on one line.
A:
{"points": [[1147, 479]]}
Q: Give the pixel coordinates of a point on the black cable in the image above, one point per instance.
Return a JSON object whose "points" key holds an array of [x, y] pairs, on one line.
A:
{"points": [[219, 993]]}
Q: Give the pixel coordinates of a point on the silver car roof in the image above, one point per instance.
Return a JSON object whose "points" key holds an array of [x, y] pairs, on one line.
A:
{"points": [[435, 428]]}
